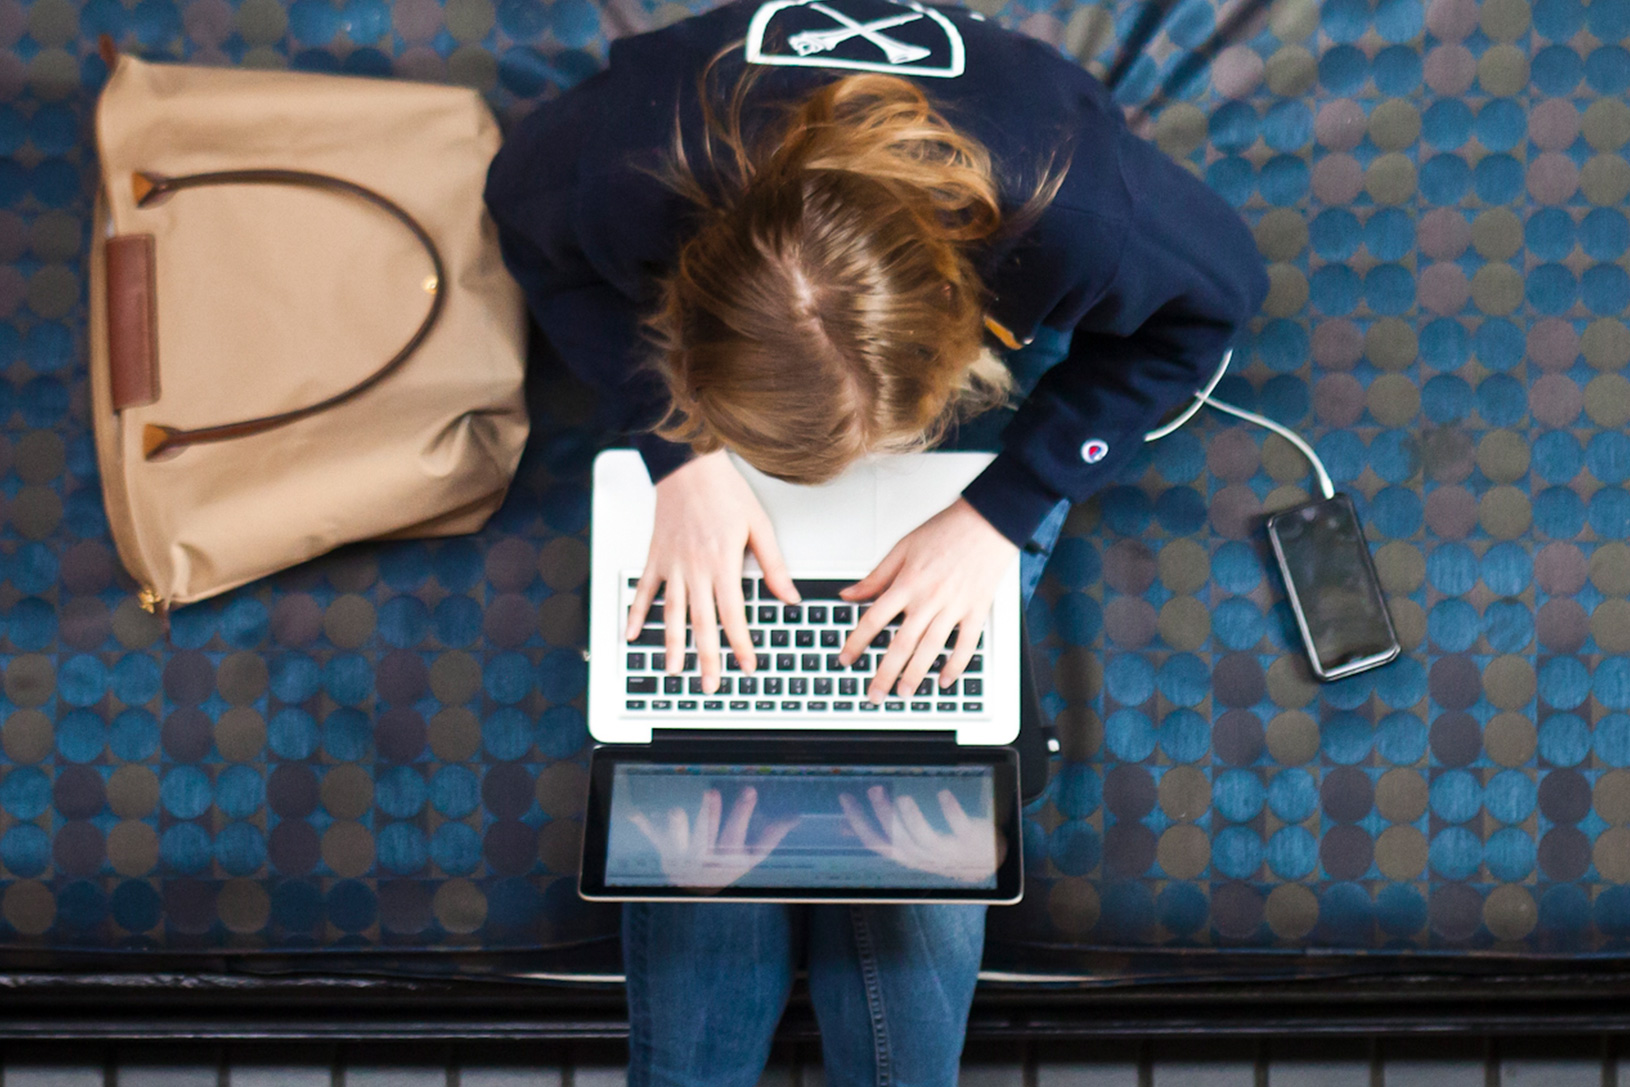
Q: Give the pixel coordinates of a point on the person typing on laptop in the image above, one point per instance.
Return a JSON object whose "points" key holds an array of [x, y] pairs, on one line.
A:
{"points": [[789, 231]]}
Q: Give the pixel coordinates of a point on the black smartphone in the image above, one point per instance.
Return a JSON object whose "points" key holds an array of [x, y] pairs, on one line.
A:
{"points": [[1333, 587]]}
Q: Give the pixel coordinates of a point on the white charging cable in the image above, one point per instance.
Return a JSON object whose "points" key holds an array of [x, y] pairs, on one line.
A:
{"points": [[1204, 397]]}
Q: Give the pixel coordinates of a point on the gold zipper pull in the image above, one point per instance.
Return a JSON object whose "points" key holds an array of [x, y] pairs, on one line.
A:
{"points": [[154, 604]]}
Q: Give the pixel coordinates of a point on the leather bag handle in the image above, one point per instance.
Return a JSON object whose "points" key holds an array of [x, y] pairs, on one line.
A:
{"points": [[159, 440]]}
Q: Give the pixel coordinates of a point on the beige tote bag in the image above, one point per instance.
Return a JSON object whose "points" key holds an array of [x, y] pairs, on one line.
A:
{"points": [[302, 333]]}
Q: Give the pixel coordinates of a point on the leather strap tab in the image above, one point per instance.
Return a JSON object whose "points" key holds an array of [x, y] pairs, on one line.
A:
{"points": [[132, 321]]}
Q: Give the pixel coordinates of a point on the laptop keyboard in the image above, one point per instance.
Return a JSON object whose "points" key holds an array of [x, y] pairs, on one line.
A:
{"points": [[797, 663]]}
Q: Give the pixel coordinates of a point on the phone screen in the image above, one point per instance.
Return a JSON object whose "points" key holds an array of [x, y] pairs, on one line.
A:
{"points": [[1333, 586]]}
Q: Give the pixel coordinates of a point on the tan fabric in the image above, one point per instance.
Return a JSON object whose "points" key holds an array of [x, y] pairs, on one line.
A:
{"points": [[271, 298]]}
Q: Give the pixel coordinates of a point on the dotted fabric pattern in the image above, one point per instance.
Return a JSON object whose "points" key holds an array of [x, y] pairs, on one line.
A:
{"points": [[385, 749]]}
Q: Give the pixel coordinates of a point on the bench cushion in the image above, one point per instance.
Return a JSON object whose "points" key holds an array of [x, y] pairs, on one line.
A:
{"points": [[384, 751]]}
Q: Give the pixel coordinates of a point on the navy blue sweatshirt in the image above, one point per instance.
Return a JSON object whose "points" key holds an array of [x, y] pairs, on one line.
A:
{"points": [[1151, 272]]}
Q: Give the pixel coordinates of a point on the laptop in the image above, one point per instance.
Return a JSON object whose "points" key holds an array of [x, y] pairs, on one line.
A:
{"points": [[788, 784]]}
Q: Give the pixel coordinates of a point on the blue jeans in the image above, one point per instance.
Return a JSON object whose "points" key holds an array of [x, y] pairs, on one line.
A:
{"points": [[707, 982], [891, 985]]}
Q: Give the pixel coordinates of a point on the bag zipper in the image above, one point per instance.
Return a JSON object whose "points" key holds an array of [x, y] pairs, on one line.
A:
{"points": [[154, 604]]}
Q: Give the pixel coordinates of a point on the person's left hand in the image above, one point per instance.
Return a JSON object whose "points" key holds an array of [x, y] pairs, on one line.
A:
{"points": [[970, 853], [942, 577]]}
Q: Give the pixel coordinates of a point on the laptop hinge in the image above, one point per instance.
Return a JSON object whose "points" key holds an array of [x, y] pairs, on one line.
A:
{"points": [[747, 736]]}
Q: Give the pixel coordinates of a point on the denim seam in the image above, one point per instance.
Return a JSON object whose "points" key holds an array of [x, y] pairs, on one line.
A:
{"points": [[874, 994], [639, 1008]]}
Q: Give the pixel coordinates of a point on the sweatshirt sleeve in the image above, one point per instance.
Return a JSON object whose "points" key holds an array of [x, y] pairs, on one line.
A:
{"points": [[534, 193], [1187, 279]]}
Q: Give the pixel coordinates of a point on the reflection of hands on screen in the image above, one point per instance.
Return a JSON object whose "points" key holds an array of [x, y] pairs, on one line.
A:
{"points": [[970, 853], [704, 854]]}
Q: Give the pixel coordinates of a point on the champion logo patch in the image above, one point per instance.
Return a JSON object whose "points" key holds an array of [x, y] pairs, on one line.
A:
{"points": [[1094, 450], [895, 36]]}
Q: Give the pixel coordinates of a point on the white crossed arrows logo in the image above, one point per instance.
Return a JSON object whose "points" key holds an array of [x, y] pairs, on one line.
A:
{"points": [[815, 48], [820, 41]]}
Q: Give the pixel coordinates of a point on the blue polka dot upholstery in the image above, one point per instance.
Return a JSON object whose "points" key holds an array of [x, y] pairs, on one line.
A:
{"points": [[383, 752]]}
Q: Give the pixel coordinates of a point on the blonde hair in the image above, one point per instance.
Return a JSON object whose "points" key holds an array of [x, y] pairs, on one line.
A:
{"points": [[826, 305]]}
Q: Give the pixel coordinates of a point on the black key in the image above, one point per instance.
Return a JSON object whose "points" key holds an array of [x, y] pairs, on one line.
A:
{"points": [[846, 707], [690, 663], [921, 707], [882, 640], [659, 662], [973, 687], [804, 639], [843, 613], [762, 705], [673, 685], [894, 707], [747, 588], [926, 687], [949, 688], [739, 704], [817, 706], [713, 705], [786, 662], [823, 686], [793, 706], [724, 685], [820, 588], [731, 664], [976, 663], [798, 685], [833, 664], [763, 662], [831, 639], [938, 665], [633, 583], [816, 613], [767, 613], [651, 636], [945, 707], [780, 639], [810, 662], [973, 707], [642, 684], [863, 663], [653, 615], [849, 686], [772, 685], [748, 685], [662, 704], [792, 613], [696, 685], [757, 637], [868, 706], [687, 704], [636, 662], [635, 704]]}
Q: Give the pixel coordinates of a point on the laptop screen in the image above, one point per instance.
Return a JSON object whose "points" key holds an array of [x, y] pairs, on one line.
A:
{"points": [[847, 825]]}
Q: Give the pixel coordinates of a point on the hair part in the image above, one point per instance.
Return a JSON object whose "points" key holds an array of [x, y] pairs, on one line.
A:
{"points": [[826, 306]]}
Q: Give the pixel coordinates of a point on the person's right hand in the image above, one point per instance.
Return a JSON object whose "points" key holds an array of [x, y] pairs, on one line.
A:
{"points": [[706, 520], [704, 854]]}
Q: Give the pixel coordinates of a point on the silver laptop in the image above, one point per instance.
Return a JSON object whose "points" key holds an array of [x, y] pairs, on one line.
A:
{"points": [[831, 536], [788, 784]]}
